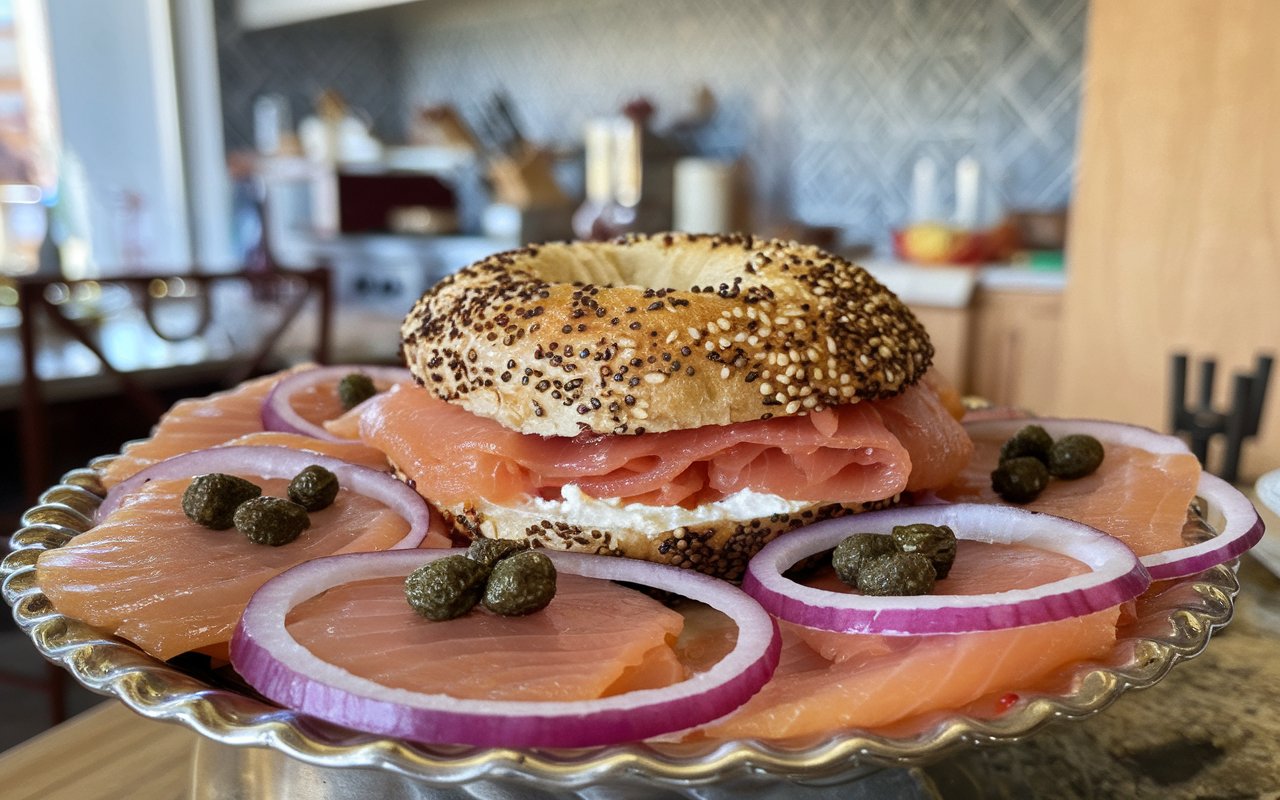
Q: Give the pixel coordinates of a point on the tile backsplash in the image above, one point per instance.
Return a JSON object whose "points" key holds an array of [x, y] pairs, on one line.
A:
{"points": [[830, 102], [357, 55]]}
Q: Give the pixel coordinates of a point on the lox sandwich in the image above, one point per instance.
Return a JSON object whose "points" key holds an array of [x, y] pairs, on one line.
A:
{"points": [[677, 398]]}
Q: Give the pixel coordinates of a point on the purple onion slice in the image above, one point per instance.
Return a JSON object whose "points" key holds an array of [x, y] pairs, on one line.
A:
{"points": [[284, 462], [277, 410], [1115, 574], [1238, 525], [268, 657]]}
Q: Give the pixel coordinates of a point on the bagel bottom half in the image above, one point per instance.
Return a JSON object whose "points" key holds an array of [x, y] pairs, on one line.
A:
{"points": [[718, 547]]}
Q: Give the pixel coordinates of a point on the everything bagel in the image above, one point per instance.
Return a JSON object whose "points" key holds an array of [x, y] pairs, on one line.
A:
{"points": [[659, 333]]}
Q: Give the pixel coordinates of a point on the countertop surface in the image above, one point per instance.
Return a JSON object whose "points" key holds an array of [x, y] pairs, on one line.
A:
{"points": [[954, 286]]}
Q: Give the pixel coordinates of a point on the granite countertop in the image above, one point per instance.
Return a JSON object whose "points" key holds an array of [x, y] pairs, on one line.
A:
{"points": [[1211, 728]]}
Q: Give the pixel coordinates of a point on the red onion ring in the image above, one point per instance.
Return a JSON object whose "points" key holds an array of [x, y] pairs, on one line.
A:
{"points": [[285, 462], [278, 413], [282, 669], [1240, 530], [1115, 576]]}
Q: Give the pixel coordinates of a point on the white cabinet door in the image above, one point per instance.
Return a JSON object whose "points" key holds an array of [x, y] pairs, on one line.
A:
{"points": [[269, 13]]}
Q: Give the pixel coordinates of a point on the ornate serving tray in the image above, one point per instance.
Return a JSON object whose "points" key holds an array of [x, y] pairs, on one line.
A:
{"points": [[1171, 623]]}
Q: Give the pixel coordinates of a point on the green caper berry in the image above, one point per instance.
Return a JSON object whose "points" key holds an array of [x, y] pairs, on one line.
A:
{"points": [[1075, 456], [898, 574], [1020, 480], [211, 500], [491, 551], [354, 389], [855, 551], [1032, 440], [520, 584], [314, 488], [935, 542], [446, 588], [271, 520]]}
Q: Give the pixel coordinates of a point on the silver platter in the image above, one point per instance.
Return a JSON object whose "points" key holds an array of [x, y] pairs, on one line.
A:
{"points": [[1174, 622]]}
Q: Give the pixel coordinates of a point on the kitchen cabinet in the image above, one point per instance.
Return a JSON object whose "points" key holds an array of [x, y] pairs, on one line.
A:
{"points": [[949, 331], [270, 13], [1175, 225], [1014, 348]]}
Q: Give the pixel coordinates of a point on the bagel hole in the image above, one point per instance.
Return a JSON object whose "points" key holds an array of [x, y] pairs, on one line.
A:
{"points": [[645, 265]]}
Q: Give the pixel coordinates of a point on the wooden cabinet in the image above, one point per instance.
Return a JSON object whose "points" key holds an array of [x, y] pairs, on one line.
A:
{"points": [[1014, 348], [949, 330], [1175, 225]]}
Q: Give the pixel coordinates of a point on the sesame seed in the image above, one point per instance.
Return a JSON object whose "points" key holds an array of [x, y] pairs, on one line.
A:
{"points": [[724, 324], [725, 344], [655, 377], [671, 337], [766, 388], [724, 372], [639, 413], [793, 406], [695, 334], [780, 397]]}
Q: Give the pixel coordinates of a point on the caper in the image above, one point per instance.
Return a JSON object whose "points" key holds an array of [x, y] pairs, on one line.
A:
{"points": [[935, 542], [856, 550], [1020, 480], [1031, 440], [271, 520], [314, 488], [491, 551], [520, 584], [354, 389], [1075, 456], [446, 587], [897, 574], [212, 500]]}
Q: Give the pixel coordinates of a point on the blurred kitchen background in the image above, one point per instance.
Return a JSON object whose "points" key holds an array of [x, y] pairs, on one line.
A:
{"points": [[1071, 194]]}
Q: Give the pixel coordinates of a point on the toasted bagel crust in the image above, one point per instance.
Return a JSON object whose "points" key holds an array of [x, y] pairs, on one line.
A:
{"points": [[721, 549], [662, 332]]}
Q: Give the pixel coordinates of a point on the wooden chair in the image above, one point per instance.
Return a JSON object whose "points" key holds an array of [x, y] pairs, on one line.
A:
{"points": [[296, 287], [290, 290]]}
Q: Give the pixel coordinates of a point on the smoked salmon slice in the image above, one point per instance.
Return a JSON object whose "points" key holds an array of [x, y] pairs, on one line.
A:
{"points": [[1141, 498], [150, 575], [830, 682], [353, 452], [595, 638], [842, 454], [195, 424]]}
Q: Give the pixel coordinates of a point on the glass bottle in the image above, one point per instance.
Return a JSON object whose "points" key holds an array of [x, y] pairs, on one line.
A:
{"points": [[598, 146]]}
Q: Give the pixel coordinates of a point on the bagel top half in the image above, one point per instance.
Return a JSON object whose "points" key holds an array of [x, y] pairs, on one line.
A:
{"points": [[661, 332]]}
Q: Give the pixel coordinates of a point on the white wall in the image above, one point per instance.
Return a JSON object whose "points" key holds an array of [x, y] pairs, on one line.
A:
{"points": [[114, 78]]}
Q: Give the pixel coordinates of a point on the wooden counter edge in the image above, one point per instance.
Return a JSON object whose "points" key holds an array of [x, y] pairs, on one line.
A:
{"points": [[106, 752]]}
